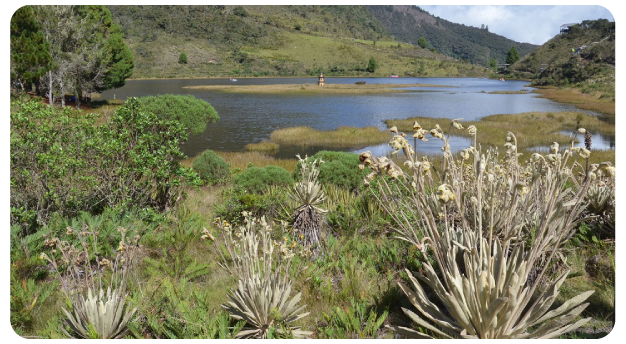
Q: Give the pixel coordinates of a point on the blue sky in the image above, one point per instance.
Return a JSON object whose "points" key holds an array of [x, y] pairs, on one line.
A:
{"points": [[529, 24]]}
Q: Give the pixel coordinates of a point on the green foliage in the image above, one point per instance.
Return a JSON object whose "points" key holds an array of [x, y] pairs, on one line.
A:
{"points": [[191, 112], [339, 168], [492, 63], [182, 58], [171, 258], [179, 309], [353, 322], [30, 51], [255, 179], [62, 162], [27, 297], [422, 42], [211, 168], [372, 65], [512, 56], [119, 59]]}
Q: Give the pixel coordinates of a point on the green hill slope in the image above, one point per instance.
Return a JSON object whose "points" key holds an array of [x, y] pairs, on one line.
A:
{"points": [[272, 40], [585, 56], [409, 23]]}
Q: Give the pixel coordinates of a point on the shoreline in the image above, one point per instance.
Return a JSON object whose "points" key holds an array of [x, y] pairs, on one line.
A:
{"points": [[313, 88]]}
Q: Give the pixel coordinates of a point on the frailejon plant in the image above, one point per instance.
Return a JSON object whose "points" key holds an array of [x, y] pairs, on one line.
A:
{"points": [[96, 313], [308, 193], [261, 267], [487, 223]]}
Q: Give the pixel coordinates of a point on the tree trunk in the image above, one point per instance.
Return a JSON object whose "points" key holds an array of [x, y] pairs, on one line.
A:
{"points": [[62, 87], [50, 96]]}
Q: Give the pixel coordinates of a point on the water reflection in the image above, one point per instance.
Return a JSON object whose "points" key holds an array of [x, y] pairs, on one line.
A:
{"points": [[598, 141], [432, 147]]}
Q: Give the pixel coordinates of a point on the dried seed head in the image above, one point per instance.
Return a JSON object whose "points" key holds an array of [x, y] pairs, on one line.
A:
{"points": [[471, 130]]}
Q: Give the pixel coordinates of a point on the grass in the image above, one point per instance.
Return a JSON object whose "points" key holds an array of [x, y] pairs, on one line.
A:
{"points": [[581, 100], [241, 160], [263, 146], [342, 137], [312, 88], [532, 129]]}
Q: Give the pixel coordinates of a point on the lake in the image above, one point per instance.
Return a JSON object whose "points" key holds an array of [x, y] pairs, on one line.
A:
{"points": [[251, 118]]}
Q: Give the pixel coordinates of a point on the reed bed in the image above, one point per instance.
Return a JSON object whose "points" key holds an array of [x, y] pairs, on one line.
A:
{"points": [[264, 146], [580, 100], [533, 129], [241, 160], [342, 137]]}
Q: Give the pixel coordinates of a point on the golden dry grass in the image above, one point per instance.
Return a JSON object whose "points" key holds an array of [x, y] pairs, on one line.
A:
{"points": [[264, 146], [532, 129], [312, 88], [578, 99], [342, 137]]}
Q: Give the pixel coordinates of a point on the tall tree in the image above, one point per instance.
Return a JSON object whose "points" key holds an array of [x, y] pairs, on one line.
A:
{"points": [[87, 49], [512, 56], [30, 54], [372, 65], [492, 63]]}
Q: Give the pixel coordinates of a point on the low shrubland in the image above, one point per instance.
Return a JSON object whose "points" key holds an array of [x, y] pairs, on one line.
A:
{"points": [[481, 243], [191, 112], [211, 168]]}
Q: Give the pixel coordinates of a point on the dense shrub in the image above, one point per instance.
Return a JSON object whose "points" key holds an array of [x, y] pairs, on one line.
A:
{"points": [[62, 162], [261, 191], [256, 179], [211, 167], [191, 112], [339, 168]]}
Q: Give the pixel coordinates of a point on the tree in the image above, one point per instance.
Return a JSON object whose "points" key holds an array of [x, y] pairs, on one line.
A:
{"points": [[422, 42], [512, 56], [87, 49], [30, 54], [492, 63], [372, 65], [182, 59]]}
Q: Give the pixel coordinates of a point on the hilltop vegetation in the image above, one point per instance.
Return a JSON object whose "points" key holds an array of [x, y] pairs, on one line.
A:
{"points": [[583, 57], [272, 40]]}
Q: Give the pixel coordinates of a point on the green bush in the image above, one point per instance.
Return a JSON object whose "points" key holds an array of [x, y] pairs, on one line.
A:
{"points": [[211, 168], [191, 112], [256, 179], [261, 191], [62, 162], [339, 168]]}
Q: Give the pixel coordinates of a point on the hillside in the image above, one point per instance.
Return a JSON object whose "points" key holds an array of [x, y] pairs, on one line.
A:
{"points": [[272, 40], [409, 23], [584, 58]]}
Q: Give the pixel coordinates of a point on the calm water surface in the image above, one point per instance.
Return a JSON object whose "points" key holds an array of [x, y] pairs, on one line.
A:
{"points": [[250, 118]]}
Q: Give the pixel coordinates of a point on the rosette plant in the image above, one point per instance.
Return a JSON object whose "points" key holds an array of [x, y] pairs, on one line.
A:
{"points": [[309, 196], [262, 268], [96, 313], [489, 222]]}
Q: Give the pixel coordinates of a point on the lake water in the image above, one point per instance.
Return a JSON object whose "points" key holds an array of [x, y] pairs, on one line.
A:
{"points": [[251, 118]]}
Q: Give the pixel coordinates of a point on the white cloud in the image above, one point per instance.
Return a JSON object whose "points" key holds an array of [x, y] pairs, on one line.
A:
{"points": [[530, 24]]}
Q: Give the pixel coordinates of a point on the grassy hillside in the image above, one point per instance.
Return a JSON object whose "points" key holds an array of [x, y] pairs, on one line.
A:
{"points": [[590, 67], [272, 40]]}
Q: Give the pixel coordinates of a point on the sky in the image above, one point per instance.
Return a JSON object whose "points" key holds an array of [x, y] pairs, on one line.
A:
{"points": [[525, 24]]}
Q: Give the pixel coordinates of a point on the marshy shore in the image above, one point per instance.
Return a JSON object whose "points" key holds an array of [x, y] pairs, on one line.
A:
{"points": [[313, 89]]}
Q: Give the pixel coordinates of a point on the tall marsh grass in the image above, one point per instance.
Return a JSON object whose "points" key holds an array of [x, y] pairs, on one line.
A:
{"points": [[342, 137]]}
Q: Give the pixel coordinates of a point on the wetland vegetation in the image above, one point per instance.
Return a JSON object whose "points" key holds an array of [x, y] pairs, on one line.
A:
{"points": [[116, 233]]}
